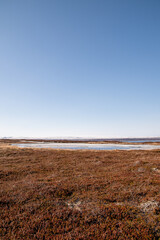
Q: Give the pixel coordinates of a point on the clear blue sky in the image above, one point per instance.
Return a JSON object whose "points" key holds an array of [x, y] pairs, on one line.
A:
{"points": [[80, 68]]}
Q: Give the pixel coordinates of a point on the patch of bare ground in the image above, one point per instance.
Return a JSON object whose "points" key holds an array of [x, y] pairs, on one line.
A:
{"points": [[60, 194]]}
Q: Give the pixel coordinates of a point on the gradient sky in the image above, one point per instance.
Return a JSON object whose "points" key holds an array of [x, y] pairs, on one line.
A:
{"points": [[81, 68]]}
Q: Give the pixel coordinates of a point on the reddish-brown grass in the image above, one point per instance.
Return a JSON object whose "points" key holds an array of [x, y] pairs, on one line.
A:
{"points": [[60, 194]]}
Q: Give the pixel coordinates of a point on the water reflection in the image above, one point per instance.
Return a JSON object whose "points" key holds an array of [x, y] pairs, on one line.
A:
{"points": [[82, 146]]}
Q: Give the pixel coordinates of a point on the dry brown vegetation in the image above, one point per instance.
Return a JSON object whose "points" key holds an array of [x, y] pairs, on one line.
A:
{"points": [[60, 194]]}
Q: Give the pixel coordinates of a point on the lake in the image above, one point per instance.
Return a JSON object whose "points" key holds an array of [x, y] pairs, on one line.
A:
{"points": [[87, 146]]}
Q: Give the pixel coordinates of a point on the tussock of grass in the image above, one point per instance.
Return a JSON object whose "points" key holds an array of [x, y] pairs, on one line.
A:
{"points": [[50, 194]]}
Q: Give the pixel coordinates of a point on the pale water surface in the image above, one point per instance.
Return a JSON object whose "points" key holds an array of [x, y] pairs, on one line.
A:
{"points": [[88, 146]]}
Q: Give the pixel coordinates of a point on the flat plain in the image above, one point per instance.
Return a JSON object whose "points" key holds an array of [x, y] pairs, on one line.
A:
{"points": [[79, 194]]}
